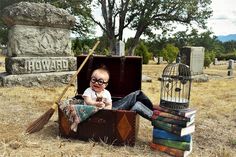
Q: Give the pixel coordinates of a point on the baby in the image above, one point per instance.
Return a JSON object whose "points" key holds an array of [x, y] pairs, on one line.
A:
{"points": [[96, 94]]}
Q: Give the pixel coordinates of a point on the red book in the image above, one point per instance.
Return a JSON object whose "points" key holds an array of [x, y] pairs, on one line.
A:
{"points": [[169, 150], [157, 113], [183, 112]]}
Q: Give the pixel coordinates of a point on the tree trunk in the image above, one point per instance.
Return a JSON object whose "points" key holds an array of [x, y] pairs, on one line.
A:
{"points": [[133, 46], [112, 45], [139, 32]]}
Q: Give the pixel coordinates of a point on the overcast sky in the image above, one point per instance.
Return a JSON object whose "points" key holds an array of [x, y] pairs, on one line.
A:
{"points": [[223, 21]]}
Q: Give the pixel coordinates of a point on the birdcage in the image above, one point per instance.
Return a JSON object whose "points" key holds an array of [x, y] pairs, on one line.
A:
{"points": [[175, 86]]}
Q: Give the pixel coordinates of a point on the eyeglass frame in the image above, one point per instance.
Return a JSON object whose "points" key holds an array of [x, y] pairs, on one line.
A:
{"points": [[98, 81]]}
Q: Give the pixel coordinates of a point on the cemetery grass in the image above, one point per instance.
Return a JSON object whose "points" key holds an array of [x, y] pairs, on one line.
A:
{"points": [[215, 133]]}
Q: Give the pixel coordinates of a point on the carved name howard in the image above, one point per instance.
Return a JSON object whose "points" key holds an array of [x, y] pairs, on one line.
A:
{"points": [[46, 65], [28, 65]]}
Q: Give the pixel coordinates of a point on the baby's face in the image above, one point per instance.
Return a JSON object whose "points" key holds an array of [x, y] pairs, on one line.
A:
{"points": [[99, 80]]}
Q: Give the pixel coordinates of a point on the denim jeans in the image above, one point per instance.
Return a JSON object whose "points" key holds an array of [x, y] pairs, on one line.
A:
{"points": [[136, 101]]}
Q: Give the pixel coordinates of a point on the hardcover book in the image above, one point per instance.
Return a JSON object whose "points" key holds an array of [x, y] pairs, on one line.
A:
{"points": [[169, 150], [157, 113], [182, 123], [159, 133], [181, 131], [173, 144], [183, 112]]}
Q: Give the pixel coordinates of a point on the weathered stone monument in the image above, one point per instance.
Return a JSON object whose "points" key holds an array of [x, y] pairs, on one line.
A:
{"points": [[120, 48], [230, 67], [39, 45], [215, 61], [160, 60], [194, 58]]}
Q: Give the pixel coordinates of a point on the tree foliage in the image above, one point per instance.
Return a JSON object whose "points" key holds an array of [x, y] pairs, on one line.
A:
{"points": [[170, 53], [82, 45], [141, 50], [3, 27], [230, 46], [3, 33], [147, 16], [82, 10], [208, 58]]}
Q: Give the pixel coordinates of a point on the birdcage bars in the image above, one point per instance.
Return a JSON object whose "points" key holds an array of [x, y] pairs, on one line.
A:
{"points": [[175, 86]]}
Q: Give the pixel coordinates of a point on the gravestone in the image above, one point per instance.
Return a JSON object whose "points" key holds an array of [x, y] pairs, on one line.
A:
{"points": [[215, 61], [231, 64], [160, 60], [39, 45], [194, 58], [120, 48], [230, 67]]}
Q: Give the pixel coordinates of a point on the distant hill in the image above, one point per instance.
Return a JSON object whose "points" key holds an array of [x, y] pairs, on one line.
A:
{"points": [[225, 38]]}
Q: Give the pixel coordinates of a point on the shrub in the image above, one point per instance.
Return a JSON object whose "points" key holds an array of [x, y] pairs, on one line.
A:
{"points": [[207, 60], [226, 56], [170, 53], [142, 51]]}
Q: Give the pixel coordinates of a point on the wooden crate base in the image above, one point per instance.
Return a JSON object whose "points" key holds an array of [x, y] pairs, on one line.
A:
{"points": [[116, 127]]}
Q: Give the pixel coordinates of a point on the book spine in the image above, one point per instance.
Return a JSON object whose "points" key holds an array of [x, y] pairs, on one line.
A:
{"points": [[168, 150], [183, 113], [157, 113], [173, 144], [168, 127], [170, 111], [159, 133], [174, 121]]}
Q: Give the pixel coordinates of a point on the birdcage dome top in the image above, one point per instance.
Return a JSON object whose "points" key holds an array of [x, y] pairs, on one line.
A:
{"points": [[177, 71]]}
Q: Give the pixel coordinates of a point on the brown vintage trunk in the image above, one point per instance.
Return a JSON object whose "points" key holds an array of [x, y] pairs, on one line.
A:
{"points": [[117, 127]]}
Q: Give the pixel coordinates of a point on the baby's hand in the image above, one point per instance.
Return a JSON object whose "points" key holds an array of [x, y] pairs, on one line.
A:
{"points": [[99, 99], [100, 104]]}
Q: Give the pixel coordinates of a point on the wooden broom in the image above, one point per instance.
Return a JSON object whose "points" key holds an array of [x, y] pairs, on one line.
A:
{"points": [[38, 124]]}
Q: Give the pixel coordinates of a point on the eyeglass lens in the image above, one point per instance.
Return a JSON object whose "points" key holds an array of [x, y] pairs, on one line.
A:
{"points": [[99, 81]]}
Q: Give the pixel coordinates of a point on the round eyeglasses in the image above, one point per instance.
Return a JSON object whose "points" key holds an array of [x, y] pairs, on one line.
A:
{"points": [[98, 81]]}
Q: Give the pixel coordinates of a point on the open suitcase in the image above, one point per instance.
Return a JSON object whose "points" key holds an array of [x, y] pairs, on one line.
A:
{"points": [[117, 127]]}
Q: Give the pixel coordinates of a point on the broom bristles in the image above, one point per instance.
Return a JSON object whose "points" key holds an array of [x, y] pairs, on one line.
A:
{"points": [[39, 123]]}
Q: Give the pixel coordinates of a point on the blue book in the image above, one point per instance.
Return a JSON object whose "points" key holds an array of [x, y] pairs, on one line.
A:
{"points": [[159, 133]]}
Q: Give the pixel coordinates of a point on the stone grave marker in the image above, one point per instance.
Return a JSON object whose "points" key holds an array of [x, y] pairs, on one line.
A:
{"points": [[230, 67], [39, 45], [215, 61], [120, 48], [194, 58], [160, 60]]}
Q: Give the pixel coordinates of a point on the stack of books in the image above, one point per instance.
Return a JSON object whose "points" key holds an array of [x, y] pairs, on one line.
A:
{"points": [[172, 131]]}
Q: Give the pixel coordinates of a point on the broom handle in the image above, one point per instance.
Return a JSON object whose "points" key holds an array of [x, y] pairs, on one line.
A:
{"points": [[54, 106]]}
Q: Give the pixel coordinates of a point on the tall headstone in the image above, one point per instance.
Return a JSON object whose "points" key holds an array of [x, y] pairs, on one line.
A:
{"points": [[215, 61], [194, 58], [230, 67], [39, 45], [120, 48], [231, 64], [160, 60]]}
